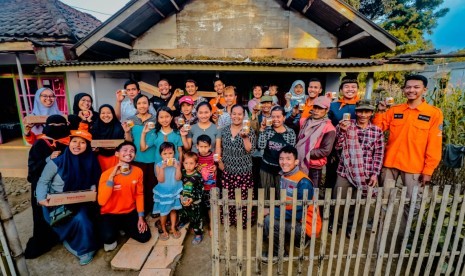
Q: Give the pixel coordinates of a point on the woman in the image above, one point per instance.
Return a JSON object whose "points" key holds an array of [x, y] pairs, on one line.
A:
{"points": [[106, 127], [238, 143], [145, 160], [76, 169], [271, 140], [82, 107], [204, 126], [295, 96], [49, 145], [44, 104], [257, 95]]}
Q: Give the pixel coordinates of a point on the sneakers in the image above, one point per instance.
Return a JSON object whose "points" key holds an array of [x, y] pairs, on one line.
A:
{"points": [[86, 258], [110, 247], [197, 239]]}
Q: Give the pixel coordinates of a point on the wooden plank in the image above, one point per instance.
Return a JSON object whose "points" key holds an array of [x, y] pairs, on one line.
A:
{"points": [[429, 222], [16, 46], [131, 256], [282, 222], [459, 263], [347, 205], [259, 244], [34, 119], [450, 227], [116, 43], [163, 256], [366, 214], [439, 225], [315, 210], [216, 235], [227, 237], [408, 226], [458, 230], [153, 90], [334, 232], [106, 143], [424, 200], [293, 223], [304, 203], [271, 232], [385, 231], [324, 230], [400, 214], [249, 231], [239, 232], [354, 232], [374, 231], [353, 39]]}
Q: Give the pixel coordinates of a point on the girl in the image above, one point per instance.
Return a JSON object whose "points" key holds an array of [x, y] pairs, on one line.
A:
{"points": [[295, 96], [165, 131], [271, 140], [44, 104], [257, 94], [145, 160], [76, 169], [167, 193], [204, 126], [238, 143], [82, 107]]}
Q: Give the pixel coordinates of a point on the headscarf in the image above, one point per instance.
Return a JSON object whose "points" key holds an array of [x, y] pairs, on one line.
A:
{"points": [[112, 130], [79, 172], [302, 97], [77, 98], [40, 109]]}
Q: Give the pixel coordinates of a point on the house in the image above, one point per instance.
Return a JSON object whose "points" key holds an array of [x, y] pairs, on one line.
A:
{"points": [[32, 33]]}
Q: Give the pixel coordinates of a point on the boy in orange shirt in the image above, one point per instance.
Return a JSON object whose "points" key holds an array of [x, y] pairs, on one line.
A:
{"points": [[121, 197]]}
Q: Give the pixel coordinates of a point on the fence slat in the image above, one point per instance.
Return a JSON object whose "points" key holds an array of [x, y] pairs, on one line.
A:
{"points": [[458, 230], [425, 198], [400, 214], [239, 232], [453, 214], [335, 228], [216, 237], [429, 221], [324, 230], [304, 222], [293, 223], [312, 255], [249, 231], [413, 202], [271, 232], [366, 214], [227, 237], [459, 263], [282, 222], [439, 226], [374, 231], [347, 205], [260, 218], [353, 231]]}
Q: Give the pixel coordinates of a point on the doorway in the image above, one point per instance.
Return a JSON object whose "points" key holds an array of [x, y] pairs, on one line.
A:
{"points": [[10, 126]]}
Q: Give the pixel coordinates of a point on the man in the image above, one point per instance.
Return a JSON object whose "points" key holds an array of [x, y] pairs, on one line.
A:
{"points": [[362, 150], [314, 90], [166, 97], [218, 102], [124, 107], [413, 150], [191, 89], [316, 140], [291, 178]]}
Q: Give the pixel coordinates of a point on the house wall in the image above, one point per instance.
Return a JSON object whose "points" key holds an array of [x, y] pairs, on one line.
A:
{"points": [[454, 70], [238, 29]]}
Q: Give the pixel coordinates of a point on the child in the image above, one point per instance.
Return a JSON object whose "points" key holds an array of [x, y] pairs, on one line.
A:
{"points": [[291, 178], [207, 169], [166, 193], [187, 115], [273, 91], [121, 195], [192, 196]]}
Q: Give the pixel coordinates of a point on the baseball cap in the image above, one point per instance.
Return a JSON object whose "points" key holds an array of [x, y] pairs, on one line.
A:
{"points": [[266, 99], [186, 99], [364, 105], [322, 101], [81, 133]]}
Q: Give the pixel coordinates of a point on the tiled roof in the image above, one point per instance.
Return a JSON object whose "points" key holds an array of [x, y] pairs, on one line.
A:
{"points": [[42, 19]]}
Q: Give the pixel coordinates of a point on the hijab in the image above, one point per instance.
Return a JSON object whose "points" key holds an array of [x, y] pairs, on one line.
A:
{"points": [[76, 108], [40, 109], [79, 172], [301, 97], [112, 130]]}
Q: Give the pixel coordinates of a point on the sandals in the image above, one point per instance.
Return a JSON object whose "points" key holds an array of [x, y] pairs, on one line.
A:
{"points": [[176, 235], [197, 239], [164, 236]]}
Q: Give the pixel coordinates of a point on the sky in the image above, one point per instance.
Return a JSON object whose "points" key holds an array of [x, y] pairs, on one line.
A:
{"points": [[447, 36]]}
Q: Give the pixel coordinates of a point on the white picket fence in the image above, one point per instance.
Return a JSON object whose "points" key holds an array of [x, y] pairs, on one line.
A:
{"points": [[428, 241]]}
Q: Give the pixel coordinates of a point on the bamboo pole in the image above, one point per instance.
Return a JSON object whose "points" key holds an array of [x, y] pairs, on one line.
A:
{"points": [[216, 237], [293, 223], [260, 219], [227, 236], [239, 232], [249, 231], [363, 230], [282, 225], [11, 234]]}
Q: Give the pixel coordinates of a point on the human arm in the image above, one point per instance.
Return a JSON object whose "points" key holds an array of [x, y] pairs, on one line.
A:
{"points": [[143, 144], [119, 99], [160, 172], [178, 174], [140, 194], [326, 146], [433, 148], [44, 183], [293, 121], [127, 132], [218, 145], [105, 186], [247, 139], [186, 138]]}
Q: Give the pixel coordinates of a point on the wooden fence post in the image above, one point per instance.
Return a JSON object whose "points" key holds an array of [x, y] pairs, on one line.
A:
{"points": [[216, 238]]}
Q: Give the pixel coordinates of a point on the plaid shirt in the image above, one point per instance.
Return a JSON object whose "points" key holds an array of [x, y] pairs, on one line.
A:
{"points": [[371, 140]]}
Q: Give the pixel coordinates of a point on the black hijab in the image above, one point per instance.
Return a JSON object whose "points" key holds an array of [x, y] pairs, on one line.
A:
{"points": [[56, 132], [76, 108], [112, 130]]}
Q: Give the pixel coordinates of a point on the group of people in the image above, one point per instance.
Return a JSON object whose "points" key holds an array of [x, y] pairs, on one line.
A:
{"points": [[178, 147]]}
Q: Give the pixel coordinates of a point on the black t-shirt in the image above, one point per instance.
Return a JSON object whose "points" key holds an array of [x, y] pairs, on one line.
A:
{"points": [[158, 102]]}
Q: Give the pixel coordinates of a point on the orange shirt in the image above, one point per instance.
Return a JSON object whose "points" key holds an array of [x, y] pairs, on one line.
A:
{"points": [[124, 194], [415, 137], [213, 103], [306, 112]]}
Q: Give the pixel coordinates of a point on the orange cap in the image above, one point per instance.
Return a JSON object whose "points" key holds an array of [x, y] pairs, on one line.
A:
{"points": [[81, 133]]}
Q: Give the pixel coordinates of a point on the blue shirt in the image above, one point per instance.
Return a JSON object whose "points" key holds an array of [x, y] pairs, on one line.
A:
{"points": [[154, 140], [335, 114]]}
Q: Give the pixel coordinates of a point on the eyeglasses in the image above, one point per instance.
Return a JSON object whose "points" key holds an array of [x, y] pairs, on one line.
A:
{"points": [[48, 97]]}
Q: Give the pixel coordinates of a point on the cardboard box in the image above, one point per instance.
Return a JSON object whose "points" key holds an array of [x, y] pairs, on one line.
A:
{"points": [[106, 143], [71, 197], [32, 119]]}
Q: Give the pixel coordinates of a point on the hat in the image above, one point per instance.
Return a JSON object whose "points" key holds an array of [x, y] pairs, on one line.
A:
{"points": [[322, 101], [186, 99], [349, 78], [365, 105], [266, 99], [81, 133]]}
